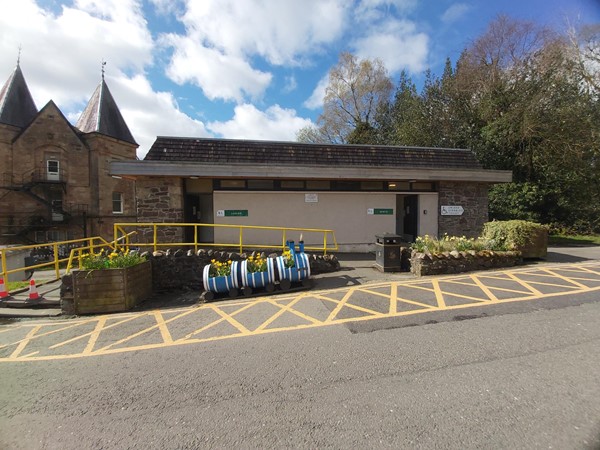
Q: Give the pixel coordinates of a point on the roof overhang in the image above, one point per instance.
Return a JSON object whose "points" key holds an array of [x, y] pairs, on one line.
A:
{"points": [[137, 169]]}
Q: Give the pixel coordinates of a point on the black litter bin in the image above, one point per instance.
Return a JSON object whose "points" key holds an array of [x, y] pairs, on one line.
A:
{"points": [[388, 252]]}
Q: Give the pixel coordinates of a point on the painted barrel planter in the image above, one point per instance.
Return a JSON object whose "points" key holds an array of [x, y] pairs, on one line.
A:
{"points": [[299, 272], [257, 279], [221, 284]]}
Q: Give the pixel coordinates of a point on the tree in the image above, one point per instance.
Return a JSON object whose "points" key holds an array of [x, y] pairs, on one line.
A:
{"points": [[355, 91]]}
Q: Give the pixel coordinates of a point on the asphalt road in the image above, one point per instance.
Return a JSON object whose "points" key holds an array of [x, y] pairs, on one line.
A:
{"points": [[528, 379]]}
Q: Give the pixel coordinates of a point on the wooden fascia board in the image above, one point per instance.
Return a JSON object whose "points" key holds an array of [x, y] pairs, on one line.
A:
{"points": [[189, 169]]}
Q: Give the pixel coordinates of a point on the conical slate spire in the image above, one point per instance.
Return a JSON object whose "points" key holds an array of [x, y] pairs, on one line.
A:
{"points": [[102, 115], [16, 104]]}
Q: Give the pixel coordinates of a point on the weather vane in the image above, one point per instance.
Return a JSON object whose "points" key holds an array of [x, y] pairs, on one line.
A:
{"points": [[103, 64], [19, 55]]}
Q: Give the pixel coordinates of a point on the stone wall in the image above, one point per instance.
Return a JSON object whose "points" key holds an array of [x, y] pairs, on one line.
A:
{"points": [[160, 200], [423, 264], [473, 197], [179, 269]]}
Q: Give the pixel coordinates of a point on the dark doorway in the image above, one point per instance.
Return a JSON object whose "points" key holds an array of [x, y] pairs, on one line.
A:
{"points": [[199, 209], [407, 215]]}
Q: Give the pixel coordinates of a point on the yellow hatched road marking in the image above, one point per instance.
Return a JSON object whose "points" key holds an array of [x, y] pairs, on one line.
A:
{"points": [[344, 304], [350, 297], [231, 320], [438, 294], [24, 342], [94, 335], [484, 288], [216, 322], [533, 291], [162, 326]]}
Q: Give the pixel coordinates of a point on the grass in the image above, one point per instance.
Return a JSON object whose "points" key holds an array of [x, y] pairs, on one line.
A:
{"points": [[14, 285], [573, 240]]}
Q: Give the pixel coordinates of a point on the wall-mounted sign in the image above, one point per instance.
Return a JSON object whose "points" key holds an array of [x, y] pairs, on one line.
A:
{"points": [[311, 198], [449, 210], [232, 213], [383, 211]]}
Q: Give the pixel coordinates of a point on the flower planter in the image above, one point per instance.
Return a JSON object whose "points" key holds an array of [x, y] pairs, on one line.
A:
{"points": [[111, 290], [227, 284], [258, 279], [299, 272]]}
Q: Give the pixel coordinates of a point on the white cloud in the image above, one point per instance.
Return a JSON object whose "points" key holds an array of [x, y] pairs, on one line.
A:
{"points": [[455, 12], [290, 84], [397, 43], [276, 123], [223, 37], [219, 75], [315, 101]]}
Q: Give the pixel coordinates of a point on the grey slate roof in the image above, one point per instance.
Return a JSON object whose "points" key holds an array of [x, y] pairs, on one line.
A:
{"points": [[16, 104], [102, 115], [227, 151]]}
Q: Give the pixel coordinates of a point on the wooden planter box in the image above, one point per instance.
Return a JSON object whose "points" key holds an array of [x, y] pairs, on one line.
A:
{"points": [[111, 290], [537, 247]]}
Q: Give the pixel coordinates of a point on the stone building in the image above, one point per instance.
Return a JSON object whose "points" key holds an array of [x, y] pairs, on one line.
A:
{"points": [[54, 177], [358, 191]]}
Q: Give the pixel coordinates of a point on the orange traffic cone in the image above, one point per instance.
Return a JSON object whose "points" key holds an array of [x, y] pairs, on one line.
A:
{"points": [[33, 292], [3, 292]]}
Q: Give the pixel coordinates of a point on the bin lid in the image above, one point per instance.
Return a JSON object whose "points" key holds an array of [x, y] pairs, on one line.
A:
{"points": [[388, 236]]}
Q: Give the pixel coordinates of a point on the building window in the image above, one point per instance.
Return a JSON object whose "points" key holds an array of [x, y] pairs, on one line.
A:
{"points": [[53, 170], [398, 186], [422, 186], [233, 184], [117, 203], [318, 185], [265, 185], [371, 185], [292, 184]]}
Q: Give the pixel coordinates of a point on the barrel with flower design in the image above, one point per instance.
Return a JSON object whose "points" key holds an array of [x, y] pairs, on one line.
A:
{"points": [[221, 284], [250, 278], [293, 267]]}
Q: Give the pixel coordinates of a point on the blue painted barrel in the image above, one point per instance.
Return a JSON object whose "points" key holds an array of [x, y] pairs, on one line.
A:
{"points": [[299, 272], [222, 284], [257, 279]]}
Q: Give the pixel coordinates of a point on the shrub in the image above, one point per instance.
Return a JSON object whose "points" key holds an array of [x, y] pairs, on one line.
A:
{"points": [[117, 259], [428, 244], [513, 234]]}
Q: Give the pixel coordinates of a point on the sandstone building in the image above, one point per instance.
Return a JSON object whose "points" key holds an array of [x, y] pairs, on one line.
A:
{"points": [[54, 177]]}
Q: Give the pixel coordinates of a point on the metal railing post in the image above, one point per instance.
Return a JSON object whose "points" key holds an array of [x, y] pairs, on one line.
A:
{"points": [[241, 239], [155, 243], [56, 263], [4, 276]]}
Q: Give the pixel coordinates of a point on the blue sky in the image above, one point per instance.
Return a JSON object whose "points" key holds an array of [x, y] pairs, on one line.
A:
{"points": [[237, 68]]}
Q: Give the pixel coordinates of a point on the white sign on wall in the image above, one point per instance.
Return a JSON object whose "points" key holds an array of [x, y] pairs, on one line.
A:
{"points": [[221, 213], [370, 211], [311, 198], [451, 210]]}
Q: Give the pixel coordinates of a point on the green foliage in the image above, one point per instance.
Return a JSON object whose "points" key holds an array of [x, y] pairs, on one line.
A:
{"points": [[515, 201], [114, 260], [429, 244], [512, 234], [219, 268]]}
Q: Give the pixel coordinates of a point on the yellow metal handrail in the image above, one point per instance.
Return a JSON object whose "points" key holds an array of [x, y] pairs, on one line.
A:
{"points": [[92, 244], [55, 248], [328, 245]]}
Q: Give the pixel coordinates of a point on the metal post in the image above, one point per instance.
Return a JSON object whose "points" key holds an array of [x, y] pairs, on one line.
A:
{"points": [[4, 276], [56, 258], [324, 242], [155, 238], [241, 239]]}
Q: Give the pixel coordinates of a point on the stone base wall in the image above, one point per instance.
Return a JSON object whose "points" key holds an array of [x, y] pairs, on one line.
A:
{"points": [[473, 197], [423, 264], [160, 200], [183, 269]]}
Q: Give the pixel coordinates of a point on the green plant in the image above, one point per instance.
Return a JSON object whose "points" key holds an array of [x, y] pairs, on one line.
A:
{"points": [[256, 264], [429, 244], [117, 259], [288, 258], [512, 234], [219, 269]]}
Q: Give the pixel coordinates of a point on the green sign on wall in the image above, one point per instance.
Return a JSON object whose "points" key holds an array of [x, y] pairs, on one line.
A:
{"points": [[383, 211], [236, 213]]}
